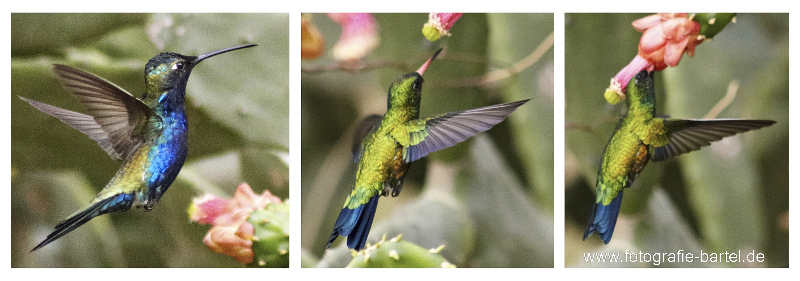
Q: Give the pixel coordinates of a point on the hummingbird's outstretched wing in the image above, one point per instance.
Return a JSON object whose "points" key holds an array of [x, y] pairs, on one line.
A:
{"points": [[79, 121], [689, 135], [366, 127], [116, 120], [422, 136]]}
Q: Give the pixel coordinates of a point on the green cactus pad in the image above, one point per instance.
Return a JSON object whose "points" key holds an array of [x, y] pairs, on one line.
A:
{"points": [[713, 23], [400, 254], [271, 238]]}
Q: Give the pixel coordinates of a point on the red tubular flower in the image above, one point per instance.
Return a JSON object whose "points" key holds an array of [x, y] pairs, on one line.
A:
{"points": [[665, 37], [439, 25], [359, 36]]}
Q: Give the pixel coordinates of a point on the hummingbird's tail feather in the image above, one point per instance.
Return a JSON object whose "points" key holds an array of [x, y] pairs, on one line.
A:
{"points": [[120, 202], [355, 224], [603, 219], [359, 238]]}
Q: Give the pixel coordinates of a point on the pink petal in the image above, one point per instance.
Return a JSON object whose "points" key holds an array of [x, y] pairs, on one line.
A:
{"points": [[246, 231], [223, 240], [446, 20], [652, 40], [672, 29], [206, 209], [245, 198], [646, 22], [674, 51]]}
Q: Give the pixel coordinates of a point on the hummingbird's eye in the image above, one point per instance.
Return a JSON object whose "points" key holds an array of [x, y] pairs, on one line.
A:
{"points": [[417, 84], [178, 65]]}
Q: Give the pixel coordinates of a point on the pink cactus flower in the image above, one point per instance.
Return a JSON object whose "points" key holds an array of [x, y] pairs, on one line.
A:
{"points": [[439, 25], [230, 234], [359, 36], [665, 37]]}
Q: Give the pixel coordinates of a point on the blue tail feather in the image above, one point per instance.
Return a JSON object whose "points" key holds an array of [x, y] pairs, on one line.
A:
{"points": [[603, 219], [121, 202], [355, 224]]}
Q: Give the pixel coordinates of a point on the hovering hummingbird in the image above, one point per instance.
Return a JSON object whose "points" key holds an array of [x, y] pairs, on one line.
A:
{"points": [[640, 137], [391, 142], [147, 134]]}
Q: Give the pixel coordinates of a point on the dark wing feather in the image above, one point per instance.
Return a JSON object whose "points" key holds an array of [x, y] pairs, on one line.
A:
{"points": [[117, 112], [689, 135], [79, 121], [449, 129]]}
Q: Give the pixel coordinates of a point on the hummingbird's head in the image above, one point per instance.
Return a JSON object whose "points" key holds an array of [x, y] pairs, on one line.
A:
{"points": [[641, 88], [168, 70], [407, 90]]}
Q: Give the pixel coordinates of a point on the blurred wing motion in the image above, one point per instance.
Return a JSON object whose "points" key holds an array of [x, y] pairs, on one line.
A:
{"points": [[116, 120], [432, 134], [689, 135]]}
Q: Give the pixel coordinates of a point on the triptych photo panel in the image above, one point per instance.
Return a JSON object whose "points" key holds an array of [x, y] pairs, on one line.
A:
{"points": [[491, 140]]}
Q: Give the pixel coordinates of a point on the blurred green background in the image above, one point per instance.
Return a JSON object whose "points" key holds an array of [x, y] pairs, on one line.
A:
{"points": [[731, 196], [489, 200], [237, 106]]}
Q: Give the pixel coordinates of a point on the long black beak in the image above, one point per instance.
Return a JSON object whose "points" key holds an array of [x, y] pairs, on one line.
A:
{"points": [[214, 53]]}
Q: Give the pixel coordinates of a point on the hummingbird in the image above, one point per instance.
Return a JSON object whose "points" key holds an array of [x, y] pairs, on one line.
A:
{"points": [[392, 141], [640, 137], [147, 134]]}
